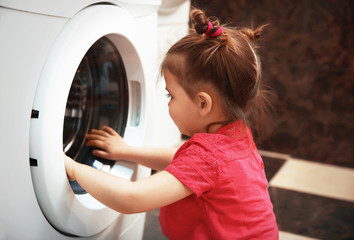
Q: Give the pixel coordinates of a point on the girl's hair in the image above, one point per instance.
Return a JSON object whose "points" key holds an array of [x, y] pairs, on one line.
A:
{"points": [[228, 62]]}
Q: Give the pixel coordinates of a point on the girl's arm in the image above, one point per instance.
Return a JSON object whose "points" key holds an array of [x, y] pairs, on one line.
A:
{"points": [[113, 147], [125, 196], [155, 158]]}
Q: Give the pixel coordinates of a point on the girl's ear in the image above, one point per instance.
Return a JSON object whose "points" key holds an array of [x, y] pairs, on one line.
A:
{"points": [[205, 103]]}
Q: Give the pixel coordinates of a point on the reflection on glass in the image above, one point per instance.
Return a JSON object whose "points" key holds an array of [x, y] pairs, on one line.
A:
{"points": [[98, 96], [78, 110]]}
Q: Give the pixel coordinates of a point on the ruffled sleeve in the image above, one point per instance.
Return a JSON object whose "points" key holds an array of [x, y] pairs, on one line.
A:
{"points": [[195, 167]]}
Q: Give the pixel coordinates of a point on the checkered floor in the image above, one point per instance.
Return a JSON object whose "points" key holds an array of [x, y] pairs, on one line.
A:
{"points": [[311, 200]]}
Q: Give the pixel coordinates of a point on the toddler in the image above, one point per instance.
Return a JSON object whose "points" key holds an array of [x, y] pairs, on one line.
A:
{"points": [[214, 186]]}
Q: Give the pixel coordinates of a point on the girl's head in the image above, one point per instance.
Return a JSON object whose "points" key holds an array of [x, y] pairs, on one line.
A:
{"points": [[226, 64]]}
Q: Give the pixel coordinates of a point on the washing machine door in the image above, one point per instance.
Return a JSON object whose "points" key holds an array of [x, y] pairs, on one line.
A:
{"points": [[93, 76], [98, 96]]}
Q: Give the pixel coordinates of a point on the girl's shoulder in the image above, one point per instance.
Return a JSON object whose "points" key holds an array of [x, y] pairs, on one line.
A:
{"points": [[232, 133], [227, 143]]}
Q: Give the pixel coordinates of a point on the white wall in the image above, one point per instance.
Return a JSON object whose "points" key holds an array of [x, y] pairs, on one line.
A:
{"points": [[173, 24]]}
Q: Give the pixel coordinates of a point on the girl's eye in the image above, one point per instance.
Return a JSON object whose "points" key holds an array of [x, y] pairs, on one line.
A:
{"points": [[168, 95]]}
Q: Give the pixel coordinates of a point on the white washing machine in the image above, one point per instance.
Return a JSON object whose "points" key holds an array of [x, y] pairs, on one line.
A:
{"points": [[66, 67]]}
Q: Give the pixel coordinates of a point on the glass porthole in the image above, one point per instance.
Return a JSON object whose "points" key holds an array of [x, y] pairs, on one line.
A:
{"points": [[98, 96]]}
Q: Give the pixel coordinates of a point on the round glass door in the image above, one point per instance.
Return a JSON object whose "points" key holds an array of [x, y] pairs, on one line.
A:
{"points": [[98, 96]]}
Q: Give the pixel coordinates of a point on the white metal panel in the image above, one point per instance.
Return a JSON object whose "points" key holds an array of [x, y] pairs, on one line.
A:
{"points": [[68, 8]]}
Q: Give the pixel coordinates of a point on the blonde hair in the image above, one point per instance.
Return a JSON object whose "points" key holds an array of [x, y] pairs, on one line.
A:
{"points": [[229, 62]]}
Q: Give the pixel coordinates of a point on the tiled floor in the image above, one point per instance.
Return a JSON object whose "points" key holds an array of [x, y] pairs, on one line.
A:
{"points": [[311, 200]]}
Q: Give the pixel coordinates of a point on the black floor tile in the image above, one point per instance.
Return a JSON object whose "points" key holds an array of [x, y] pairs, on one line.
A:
{"points": [[313, 216], [271, 166], [152, 230]]}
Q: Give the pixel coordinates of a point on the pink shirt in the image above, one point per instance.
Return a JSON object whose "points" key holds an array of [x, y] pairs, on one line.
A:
{"points": [[230, 199]]}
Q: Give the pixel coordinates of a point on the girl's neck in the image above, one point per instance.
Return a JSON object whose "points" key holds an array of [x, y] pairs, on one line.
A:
{"points": [[215, 126]]}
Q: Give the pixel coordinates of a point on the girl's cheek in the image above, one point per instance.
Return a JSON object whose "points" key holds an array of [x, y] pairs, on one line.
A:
{"points": [[171, 111]]}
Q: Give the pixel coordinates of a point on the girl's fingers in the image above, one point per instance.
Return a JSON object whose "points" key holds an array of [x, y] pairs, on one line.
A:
{"points": [[99, 132], [100, 153], [109, 130], [105, 132], [89, 136], [96, 143]]}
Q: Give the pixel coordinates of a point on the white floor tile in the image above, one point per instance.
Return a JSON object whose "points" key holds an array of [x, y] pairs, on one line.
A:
{"points": [[274, 154], [316, 178], [291, 236]]}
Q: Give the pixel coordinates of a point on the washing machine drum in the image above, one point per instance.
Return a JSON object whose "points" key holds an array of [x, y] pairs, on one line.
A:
{"points": [[93, 76], [98, 96]]}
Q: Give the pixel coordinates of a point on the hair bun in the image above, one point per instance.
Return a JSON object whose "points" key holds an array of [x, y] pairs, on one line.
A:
{"points": [[253, 35], [199, 21]]}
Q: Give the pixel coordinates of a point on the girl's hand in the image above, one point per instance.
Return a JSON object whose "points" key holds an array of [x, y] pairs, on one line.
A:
{"points": [[111, 144], [69, 167]]}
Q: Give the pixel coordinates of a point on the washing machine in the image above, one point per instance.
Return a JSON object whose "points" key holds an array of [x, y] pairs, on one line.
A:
{"points": [[67, 67]]}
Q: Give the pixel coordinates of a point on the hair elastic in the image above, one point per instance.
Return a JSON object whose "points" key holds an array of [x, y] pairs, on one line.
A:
{"points": [[210, 26], [214, 34]]}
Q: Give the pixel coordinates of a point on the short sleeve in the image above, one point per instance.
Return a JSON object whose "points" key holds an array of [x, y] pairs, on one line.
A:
{"points": [[196, 168]]}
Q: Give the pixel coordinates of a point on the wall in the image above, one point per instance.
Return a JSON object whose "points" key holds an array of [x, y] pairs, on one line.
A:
{"points": [[307, 58]]}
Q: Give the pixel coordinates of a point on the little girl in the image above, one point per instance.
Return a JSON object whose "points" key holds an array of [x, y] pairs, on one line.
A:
{"points": [[214, 186]]}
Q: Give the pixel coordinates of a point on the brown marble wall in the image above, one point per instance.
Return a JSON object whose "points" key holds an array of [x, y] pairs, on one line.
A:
{"points": [[308, 59]]}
